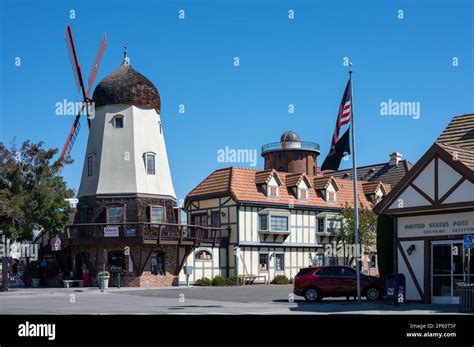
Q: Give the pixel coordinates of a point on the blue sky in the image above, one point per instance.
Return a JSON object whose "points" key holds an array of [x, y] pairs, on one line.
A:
{"points": [[282, 62]]}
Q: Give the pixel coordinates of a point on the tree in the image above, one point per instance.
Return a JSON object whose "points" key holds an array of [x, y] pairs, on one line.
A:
{"points": [[367, 229], [32, 192]]}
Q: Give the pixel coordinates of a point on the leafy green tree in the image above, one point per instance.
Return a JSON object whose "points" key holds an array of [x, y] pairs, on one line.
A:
{"points": [[32, 194], [367, 228], [32, 191]]}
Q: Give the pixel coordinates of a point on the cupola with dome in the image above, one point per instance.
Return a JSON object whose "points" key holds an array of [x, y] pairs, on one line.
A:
{"points": [[291, 154]]}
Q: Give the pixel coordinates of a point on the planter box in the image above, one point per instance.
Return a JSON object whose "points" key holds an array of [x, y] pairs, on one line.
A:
{"points": [[104, 280]]}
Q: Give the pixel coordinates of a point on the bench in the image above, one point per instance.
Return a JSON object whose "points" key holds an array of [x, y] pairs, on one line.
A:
{"points": [[250, 279], [68, 282]]}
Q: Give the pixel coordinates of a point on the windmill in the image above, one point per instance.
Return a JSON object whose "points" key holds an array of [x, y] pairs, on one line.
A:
{"points": [[76, 126]]}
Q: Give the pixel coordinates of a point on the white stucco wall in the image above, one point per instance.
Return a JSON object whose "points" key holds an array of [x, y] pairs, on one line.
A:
{"points": [[119, 162]]}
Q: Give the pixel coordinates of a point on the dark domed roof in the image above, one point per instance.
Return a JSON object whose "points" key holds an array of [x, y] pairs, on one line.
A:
{"points": [[290, 136], [126, 86]]}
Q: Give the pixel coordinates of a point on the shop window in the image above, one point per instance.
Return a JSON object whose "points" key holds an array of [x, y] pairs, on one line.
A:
{"points": [[115, 214], [279, 262], [263, 262], [203, 255], [116, 261], [158, 264]]}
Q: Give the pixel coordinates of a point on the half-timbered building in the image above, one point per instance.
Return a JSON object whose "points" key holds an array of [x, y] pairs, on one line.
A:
{"points": [[282, 218], [433, 209]]}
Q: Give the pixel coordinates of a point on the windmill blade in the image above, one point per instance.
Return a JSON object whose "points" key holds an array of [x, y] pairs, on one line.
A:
{"points": [[71, 137], [95, 65], [74, 61]]}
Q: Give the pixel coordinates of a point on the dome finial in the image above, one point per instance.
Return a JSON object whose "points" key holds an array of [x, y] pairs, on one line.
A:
{"points": [[126, 59]]}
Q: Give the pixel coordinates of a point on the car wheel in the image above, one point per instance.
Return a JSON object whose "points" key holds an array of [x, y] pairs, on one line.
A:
{"points": [[311, 294], [373, 293]]}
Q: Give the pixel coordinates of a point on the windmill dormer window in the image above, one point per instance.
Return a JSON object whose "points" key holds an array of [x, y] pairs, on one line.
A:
{"points": [[150, 163], [118, 121]]}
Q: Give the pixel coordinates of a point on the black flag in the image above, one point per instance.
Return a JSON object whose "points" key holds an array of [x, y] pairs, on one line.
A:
{"points": [[338, 151]]}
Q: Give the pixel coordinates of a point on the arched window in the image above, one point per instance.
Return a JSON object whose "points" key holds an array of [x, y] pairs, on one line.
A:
{"points": [[203, 255], [150, 163]]}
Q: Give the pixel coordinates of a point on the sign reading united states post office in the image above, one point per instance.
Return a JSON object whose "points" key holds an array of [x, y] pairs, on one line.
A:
{"points": [[436, 225]]}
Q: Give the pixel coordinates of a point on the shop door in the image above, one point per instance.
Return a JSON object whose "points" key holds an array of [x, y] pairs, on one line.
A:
{"points": [[448, 267]]}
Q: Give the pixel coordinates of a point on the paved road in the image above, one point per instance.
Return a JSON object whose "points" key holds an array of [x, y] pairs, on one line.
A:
{"points": [[255, 299]]}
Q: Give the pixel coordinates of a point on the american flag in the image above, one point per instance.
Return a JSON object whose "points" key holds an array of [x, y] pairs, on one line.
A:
{"points": [[344, 115]]}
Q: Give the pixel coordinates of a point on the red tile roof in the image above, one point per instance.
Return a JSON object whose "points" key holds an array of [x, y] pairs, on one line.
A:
{"points": [[241, 183]]}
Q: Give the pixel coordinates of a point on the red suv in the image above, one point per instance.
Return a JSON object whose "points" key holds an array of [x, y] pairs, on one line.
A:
{"points": [[316, 282]]}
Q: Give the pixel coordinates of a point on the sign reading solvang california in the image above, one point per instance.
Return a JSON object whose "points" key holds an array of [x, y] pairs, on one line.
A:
{"points": [[435, 225]]}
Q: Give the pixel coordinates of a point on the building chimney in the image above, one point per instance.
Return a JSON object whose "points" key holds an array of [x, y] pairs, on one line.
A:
{"points": [[395, 158]]}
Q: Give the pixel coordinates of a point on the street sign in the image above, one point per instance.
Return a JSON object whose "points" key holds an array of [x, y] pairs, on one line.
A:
{"points": [[467, 241]]}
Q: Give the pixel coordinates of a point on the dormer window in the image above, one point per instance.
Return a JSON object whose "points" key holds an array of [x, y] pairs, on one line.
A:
{"points": [[303, 193], [118, 121], [273, 191], [150, 163], [330, 196]]}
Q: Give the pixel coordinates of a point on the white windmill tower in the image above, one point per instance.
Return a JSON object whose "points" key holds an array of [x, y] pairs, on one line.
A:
{"points": [[126, 163]]}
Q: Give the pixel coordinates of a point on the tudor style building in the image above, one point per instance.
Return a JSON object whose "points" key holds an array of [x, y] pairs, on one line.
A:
{"points": [[127, 222], [433, 208], [281, 217]]}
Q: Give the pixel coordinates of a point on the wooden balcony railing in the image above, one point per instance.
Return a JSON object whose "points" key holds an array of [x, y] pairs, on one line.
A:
{"points": [[151, 233]]}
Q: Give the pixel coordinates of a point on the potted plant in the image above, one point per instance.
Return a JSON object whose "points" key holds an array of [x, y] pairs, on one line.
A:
{"points": [[103, 279]]}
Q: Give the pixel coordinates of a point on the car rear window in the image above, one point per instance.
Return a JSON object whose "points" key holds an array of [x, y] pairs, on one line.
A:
{"points": [[304, 272]]}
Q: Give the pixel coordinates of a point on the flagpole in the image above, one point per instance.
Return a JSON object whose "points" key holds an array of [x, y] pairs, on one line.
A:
{"points": [[354, 175]]}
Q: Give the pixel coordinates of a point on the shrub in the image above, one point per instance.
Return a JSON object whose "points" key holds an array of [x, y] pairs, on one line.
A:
{"points": [[280, 279], [232, 281], [219, 281], [203, 282], [103, 274]]}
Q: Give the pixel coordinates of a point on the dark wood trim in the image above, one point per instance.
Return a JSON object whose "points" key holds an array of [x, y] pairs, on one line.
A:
{"points": [[422, 193], [427, 273], [140, 261], [451, 190], [433, 209], [436, 178], [432, 238], [395, 238], [142, 266], [410, 270], [433, 152]]}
